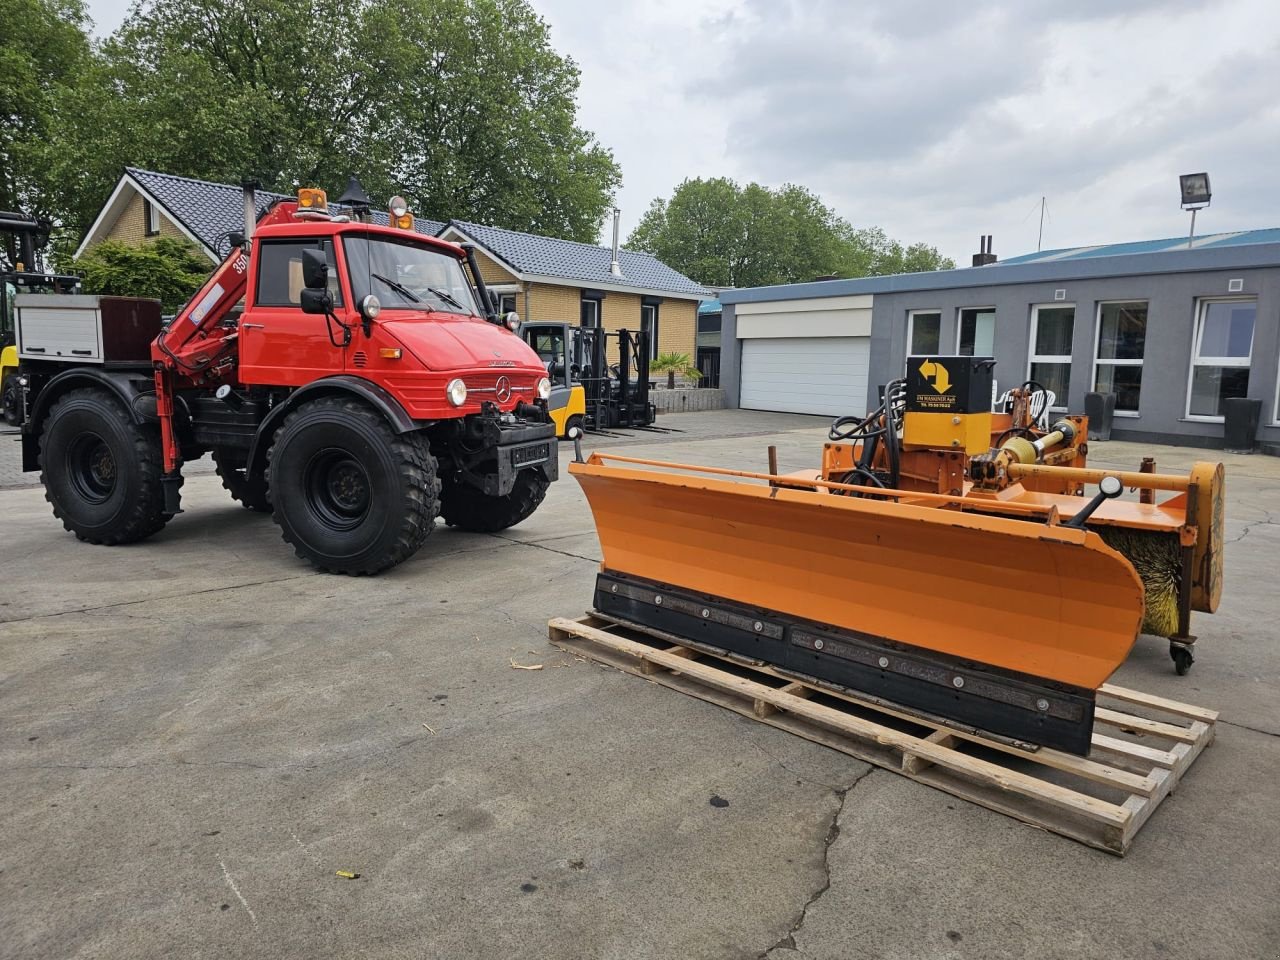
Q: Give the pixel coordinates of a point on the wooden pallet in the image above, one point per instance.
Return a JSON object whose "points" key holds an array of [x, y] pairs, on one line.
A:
{"points": [[1142, 744]]}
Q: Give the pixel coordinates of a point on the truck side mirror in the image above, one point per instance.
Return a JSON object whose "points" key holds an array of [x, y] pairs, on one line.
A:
{"points": [[315, 301], [315, 270]]}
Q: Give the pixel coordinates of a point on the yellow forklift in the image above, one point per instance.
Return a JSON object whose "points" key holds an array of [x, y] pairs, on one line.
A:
{"points": [[552, 342], [23, 237]]}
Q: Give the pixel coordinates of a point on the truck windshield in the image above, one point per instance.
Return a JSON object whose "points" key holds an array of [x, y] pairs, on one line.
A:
{"points": [[407, 276]]}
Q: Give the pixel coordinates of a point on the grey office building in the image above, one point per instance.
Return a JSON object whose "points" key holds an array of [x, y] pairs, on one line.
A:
{"points": [[1171, 329]]}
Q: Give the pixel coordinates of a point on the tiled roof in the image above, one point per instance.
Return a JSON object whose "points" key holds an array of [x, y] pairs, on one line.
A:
{"points": [[212, 210], [581, 262], [208, 210], [1171, 244]]}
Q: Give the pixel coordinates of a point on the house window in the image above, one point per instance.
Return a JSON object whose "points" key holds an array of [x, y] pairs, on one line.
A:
{"points": [[1122, 338], [1220, 360], [649, 324], [590, 316], [506, 303], [152, 214], [977, 334], [1052, 328], [709, 322], [280, 273], [924, 332]]}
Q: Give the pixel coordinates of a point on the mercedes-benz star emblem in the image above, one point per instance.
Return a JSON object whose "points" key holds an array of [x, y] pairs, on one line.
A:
{"points": [[503, 389]]}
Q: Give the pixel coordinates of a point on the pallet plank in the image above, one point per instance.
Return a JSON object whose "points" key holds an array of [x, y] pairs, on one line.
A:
{"points": [[1174, 707], [1128, 721]]}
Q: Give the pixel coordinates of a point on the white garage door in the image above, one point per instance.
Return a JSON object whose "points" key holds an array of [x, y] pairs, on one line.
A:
{"points": [[826, 375]]}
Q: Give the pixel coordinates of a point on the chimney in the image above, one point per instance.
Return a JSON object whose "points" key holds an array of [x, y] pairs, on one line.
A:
{"points": [[250, 206], [984, 255], [615, 267]]}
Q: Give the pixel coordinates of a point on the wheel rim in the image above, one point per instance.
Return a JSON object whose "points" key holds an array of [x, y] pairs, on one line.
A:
{"points": [[337, 489], [91, 468]]}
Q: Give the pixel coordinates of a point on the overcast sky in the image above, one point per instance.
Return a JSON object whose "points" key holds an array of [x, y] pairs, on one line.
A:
{"points": [[939, 120]]}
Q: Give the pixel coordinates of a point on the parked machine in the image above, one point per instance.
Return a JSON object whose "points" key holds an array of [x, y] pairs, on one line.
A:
{"points": [[552, 342], [20, 273], [360, 393], [585, 382], [945, 558]]}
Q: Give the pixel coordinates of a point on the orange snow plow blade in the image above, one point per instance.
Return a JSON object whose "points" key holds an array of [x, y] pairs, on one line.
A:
{"points": [[1007, 625]]}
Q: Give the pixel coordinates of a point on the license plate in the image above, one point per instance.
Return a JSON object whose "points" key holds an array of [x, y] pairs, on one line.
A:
{"points": [[533, 453]]}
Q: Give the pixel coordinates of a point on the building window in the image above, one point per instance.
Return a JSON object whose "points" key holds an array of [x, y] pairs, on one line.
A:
{"points": [[506, 303], [590, 316], [1122, 339], [1052, 328], [977, 334], [924, 332], [152, 214], [1220, 360], [649, 324], [709, 322]]}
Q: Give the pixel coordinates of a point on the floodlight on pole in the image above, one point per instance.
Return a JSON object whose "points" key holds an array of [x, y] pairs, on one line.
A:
{"points": [[1195, 197]]}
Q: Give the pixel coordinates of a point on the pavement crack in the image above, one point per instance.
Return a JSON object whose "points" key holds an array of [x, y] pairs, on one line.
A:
{"points": [[181, 596], [1245, 726], [788, 942], [539, 546], [1268, 522]]}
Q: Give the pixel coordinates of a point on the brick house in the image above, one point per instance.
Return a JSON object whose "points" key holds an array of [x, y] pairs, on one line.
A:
{"points": [[541, 278]]}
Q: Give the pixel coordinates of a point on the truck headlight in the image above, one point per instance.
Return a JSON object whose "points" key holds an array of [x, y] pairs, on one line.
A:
{"points": [[456, 392], [544, 389], [512, 320]]}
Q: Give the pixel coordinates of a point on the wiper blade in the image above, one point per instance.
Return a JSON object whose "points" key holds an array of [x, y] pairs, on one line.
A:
{"points": [[447, 298], [398, 288]]}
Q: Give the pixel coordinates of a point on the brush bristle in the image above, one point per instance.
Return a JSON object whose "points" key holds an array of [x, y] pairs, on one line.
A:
{"points": [[1158, 560]]}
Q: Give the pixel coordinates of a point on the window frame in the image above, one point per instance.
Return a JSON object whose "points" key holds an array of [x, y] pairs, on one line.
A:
{"points": [[911, 324], [1197, 336], [337, 270], [1097, 342], [151, 216], [1034, 358], [599, 312], [653, 331], [960, 311]]}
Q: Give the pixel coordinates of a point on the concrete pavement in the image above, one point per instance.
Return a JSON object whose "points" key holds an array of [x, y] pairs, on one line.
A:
{"points": [[197, 731]]}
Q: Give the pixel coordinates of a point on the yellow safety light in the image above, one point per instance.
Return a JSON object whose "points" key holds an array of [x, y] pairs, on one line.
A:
{"points": [[398, 213], [313, 204], [390, 353]]}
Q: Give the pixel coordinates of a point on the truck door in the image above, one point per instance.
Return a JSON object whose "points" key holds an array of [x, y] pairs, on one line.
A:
{"points": [[279, 344]]}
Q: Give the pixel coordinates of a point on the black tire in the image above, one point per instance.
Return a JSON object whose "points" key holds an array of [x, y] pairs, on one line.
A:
{"points": [[251, 492], [577, 420], [467, 508], [101, 470], [9, 399], [351, 495]]}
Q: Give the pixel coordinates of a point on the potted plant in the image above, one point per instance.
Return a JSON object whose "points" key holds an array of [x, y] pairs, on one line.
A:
{"points": [[675, 365]]}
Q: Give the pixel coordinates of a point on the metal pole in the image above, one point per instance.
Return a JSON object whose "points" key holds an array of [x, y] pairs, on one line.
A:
{"points": [[1040, 238], [1194, 210]]}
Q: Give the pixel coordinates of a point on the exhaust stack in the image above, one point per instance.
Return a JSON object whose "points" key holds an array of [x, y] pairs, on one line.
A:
{"points": [[250, 206], [984, 255], [615, 267]]}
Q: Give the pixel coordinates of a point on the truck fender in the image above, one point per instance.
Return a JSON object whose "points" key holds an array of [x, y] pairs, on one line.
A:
{"points": [[137, 393], [377, 397]]}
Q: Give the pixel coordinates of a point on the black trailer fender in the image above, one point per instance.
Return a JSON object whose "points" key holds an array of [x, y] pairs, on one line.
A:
{"points": [[378, 398], [136, 390]]}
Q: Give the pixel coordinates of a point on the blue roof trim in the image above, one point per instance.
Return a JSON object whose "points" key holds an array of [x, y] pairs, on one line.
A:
{"points": [[709, 306], [1222, 256]]}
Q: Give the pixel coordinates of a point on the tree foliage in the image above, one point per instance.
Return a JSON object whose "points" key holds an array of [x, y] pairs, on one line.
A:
{"points": [[723, 234], [463, 107], [43, 53], [165, 269]]}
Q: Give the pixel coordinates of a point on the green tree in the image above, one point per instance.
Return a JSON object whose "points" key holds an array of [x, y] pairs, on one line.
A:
{"points": [[724, 234], [463, 107], [43, 52], [165, 269]]}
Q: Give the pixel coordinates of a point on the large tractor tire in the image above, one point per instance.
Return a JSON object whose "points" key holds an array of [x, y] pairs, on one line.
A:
{"points": [[250, 491], [467, 508], [9, 400], [101, 470], [349, 493]]}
